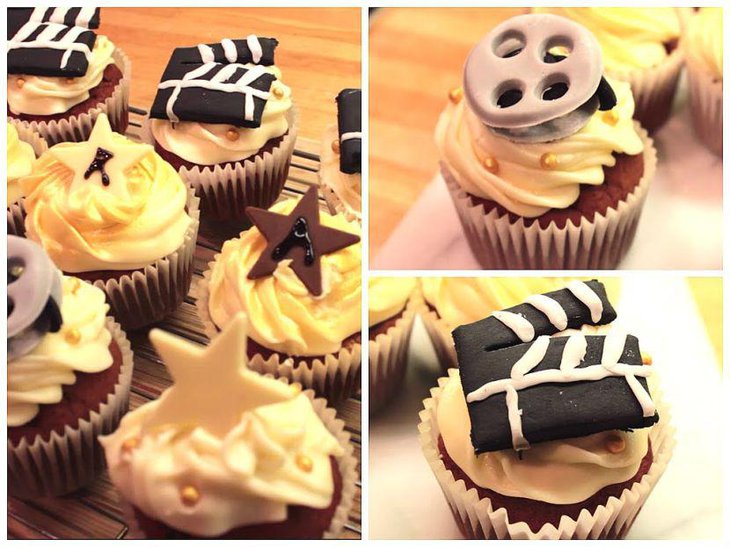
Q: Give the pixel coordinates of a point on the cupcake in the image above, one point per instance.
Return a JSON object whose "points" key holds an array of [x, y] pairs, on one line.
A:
{"points": [[702, 44], [224, 119], [545, 165], [296, 275], [62, 74], [24, 146], [69, 370], [259, 459], [391, 312], [112, 212], [547, 437], [640, 46], [340, 157]]}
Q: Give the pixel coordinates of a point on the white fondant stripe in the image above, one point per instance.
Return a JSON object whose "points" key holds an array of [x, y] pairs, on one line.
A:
{"points": [[518, 324], [229, 50], [206, 53], [583, 292], [58, 15], [84, 17], [255, 47], [551, 308], [514, 414], [47, 39], [574, 352], [351, 135], [532, 357]]}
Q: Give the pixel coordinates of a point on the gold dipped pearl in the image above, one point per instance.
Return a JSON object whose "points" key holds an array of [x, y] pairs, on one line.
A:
{"points": [[70, 80], [646, 358], [304, 463], [610, 117], [72, 336], [74, 285], [456, 94], [336, 146], [189, 495], [615, 444], [548, 160], [491, 164], [130, 444], [278, 92], [232, 134], [20, 82]]}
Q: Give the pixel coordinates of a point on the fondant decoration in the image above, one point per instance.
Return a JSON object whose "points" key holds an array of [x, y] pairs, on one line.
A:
{"points": [[34, 296], [51, 41], [536, 78], [217, 83], [104, 158], [524, 387], [300, 237], [349, 126]]}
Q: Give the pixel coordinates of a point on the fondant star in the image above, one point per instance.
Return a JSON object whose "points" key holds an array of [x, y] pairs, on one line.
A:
{"points": [[212, 385], [85, 160], [298, 236]]}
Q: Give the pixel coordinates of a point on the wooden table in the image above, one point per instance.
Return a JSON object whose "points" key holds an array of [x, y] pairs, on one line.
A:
{"points": [[416, 57]]}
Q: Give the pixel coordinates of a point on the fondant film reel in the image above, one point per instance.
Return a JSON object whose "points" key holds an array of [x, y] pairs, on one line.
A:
{"points": [[534, 77]]}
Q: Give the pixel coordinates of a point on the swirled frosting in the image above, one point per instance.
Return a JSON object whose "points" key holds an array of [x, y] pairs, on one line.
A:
{"points": [[283, 315], [703, 40], [630, 38], [37, 378], [520, 184], [20, 163], [48, 95], [387, 297], [559, 472], [210, 144], [85, 225], [345, 186]]}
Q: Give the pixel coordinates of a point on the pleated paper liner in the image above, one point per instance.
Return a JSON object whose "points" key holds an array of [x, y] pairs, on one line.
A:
{"points": [[226, 191], [705, 96], [335, 205], [439, 333], [336, 377], [66, 462], [78, 128], [347, 465], [477, 519], [334, 202], [497, 243], [16, 218]]}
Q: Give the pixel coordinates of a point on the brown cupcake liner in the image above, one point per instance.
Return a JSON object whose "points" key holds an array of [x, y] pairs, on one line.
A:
{"points": [[388, 357], [705, 96], [16, 218], [335, 377], [477, 519], [68, 461], [439, 333], [654, 89], [347, 465], [78, 128], [32, 137], [497, 243], [225, 191]]}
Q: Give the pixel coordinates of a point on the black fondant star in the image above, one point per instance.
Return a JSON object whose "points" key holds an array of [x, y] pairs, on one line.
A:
{"points": [[298, 236], [97, 164]]}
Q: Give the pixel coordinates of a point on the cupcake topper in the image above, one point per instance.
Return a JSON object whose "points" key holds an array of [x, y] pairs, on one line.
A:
{"points": [[523, 386], [298, 236], [215, 83], [34, 296], [349, 128], [536, 78]]}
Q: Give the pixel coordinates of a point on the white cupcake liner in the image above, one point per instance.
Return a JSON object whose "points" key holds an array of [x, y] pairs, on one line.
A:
{"points": [[498, 243], [477, 519], [347, 465], [78, 128], [388, 357], [654, 88], [32, 137], [225, 192], [336, 377], [440, 334], [705, 95], [66, 462], [148, 295], [16, 218]]}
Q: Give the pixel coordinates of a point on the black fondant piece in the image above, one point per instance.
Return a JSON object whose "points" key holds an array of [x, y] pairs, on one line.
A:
{"points": [[198, 104], [551, 411], [349, 120]]}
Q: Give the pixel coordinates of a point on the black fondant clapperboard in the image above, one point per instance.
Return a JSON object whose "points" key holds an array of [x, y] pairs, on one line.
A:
{"points": [[349, 126], [210, 84], [488, 351]]}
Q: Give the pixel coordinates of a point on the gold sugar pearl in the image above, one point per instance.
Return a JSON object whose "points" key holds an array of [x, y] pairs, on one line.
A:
{"points": [[610, 117], [336, 146], [70, 80], [646, 358], [74, 285], [189, 495], [130, 444], [615, 444], [304, 463], [72, 336], [491, 164], [456, 94], [296, 388], [549, 160], [20, 82], [232, 134], [278, 92]]}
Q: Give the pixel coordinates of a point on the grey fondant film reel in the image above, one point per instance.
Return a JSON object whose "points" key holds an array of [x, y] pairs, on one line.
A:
{"points": [[534, 77]]}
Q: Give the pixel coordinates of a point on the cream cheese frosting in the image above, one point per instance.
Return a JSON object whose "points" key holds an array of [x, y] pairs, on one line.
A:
{"points": [[211, 144], [283, 315], [519, 183], [630, 38], [346, 186], [20, 163], [387, 297], [86, 225], [558, 472], [703, 40], [37, 378], [48, 95]]}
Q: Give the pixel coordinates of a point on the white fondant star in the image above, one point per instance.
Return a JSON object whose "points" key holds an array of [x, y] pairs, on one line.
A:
{"points": [[79, 156], [212, 385]]}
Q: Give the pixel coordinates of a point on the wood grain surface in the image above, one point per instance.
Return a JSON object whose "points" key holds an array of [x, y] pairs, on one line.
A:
{"points": [[416, 57]]}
